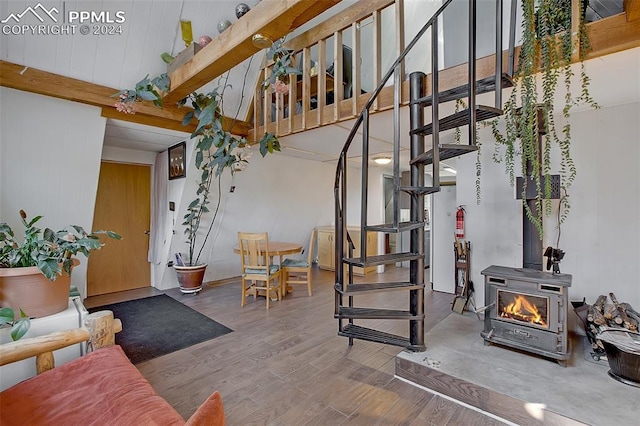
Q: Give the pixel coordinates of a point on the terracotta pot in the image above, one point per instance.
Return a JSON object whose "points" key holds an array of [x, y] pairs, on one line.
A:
{"points": [[27, 289], [190, 277]]}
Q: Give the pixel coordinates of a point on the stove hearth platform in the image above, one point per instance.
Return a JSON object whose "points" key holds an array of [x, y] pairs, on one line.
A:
{"points": [[515, 385]]}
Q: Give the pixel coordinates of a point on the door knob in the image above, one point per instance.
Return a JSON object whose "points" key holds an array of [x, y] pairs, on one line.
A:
{"points": [[147, 232]]}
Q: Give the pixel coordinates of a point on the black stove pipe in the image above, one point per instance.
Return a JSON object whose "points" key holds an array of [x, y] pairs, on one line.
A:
{"points": [[531, 241]]}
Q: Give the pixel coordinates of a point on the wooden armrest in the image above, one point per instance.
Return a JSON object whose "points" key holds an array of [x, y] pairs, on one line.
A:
{"points": [[33, 346], [99, 330]]}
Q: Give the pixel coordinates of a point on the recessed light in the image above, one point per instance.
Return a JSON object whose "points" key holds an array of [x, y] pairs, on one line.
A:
{"points": [[382, 160]]}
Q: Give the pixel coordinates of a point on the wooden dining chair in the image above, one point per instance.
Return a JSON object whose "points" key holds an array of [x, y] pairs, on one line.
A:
{"points": [[257, 267], [298, 271]]}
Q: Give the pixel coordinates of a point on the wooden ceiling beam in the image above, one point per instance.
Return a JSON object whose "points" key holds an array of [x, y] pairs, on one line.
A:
{"points": [[632, 9], [274, 18], [33, 80], [149, 120]]}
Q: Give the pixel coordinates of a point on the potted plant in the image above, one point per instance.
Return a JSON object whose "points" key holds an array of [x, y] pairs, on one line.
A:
{"points": [[35, 274], [216, 149]]}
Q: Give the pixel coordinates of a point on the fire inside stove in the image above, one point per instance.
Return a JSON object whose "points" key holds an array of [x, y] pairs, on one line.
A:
{"points": [[523, 308]]}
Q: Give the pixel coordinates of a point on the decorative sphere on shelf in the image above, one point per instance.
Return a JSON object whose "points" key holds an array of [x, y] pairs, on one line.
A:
{"points": [[241, 10], [204, 40], [223, 25]]}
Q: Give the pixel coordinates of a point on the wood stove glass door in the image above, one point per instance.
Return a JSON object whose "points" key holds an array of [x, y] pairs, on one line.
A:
{"points": [[523, 308]]}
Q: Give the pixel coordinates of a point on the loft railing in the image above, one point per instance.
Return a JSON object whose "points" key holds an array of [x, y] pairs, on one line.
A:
{"points": [[307, 97], [607, 35]]}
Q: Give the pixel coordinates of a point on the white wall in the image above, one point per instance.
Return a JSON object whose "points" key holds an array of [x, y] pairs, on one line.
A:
{"points": [[50, 151], [283, 196], [442, 263], [601, 235]]}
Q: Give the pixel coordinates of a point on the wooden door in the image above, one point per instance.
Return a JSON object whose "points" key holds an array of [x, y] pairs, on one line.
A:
{"points": [[123, 206]]}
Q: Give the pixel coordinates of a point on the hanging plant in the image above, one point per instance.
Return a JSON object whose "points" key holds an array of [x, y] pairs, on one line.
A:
{"points": [[145, 90], [283, 61], [544, 63]]}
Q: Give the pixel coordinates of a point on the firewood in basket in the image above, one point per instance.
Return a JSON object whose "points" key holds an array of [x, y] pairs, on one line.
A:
{"points": [[612, 315], [627, 322], [595, 316], [630, 324], [593, 330], [630, 311], [617, 319], [608, 311], [600, 302]]}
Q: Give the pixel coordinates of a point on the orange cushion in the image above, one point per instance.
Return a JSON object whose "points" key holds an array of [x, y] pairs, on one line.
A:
{"points": [[100, 388], [210, 413]]}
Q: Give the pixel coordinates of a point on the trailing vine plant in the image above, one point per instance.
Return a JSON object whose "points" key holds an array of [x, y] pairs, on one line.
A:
{"points": [[545, 61], [283, 67], [457, 136]]}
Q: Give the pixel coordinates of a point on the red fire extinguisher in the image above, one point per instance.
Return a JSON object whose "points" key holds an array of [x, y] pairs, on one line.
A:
{"points": [[460, 223]]}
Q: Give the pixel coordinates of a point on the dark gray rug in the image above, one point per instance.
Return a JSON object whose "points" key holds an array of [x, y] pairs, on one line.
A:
{"points": [[159, 325]]}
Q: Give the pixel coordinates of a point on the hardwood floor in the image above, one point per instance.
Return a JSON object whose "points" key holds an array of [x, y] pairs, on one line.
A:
{"points": [[287, 366]]}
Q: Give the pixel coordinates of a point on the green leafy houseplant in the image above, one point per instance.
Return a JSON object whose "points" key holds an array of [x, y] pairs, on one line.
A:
{"points": [[18, 327], [544, 65], [215, 150], [49, 250]]}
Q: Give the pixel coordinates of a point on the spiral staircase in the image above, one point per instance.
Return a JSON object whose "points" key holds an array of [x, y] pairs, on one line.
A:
{"points": [[426, 120]]}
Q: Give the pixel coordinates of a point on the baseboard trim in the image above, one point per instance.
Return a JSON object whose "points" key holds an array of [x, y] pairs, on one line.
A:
{"points": [[223, 281]]}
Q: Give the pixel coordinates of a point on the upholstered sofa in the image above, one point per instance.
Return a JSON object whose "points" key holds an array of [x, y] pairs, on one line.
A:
{"points": [[101, 388]]}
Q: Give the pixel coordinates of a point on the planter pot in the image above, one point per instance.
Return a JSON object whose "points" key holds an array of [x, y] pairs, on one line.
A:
{"points": [[27, 289], [190, 278]]}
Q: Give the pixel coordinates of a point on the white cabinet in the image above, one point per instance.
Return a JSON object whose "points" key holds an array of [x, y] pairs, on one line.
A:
{"points": [[71, 318]]}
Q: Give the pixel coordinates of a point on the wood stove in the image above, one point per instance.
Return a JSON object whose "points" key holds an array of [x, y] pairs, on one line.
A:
{"points": [[527, 309]]}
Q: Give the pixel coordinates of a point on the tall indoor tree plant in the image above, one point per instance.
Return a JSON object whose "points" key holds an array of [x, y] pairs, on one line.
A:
{"points": [[215, 151]]}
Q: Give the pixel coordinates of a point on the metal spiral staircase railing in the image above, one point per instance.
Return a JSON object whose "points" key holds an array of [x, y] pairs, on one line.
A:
{"points": [[346, 290]]}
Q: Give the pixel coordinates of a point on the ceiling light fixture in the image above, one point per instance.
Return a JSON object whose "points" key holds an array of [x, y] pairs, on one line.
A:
{"points": [[382, 160], [450, 170], [261, 41]]}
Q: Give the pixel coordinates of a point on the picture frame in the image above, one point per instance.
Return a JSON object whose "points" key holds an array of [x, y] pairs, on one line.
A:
{"points": [[177, 161]]}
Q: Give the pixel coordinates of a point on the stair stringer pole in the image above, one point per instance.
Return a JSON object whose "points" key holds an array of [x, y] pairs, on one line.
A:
{"points": [[416, 297]]}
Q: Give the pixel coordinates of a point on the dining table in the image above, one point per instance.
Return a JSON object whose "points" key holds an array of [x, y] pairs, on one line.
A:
{"points": [[279, 249]]}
